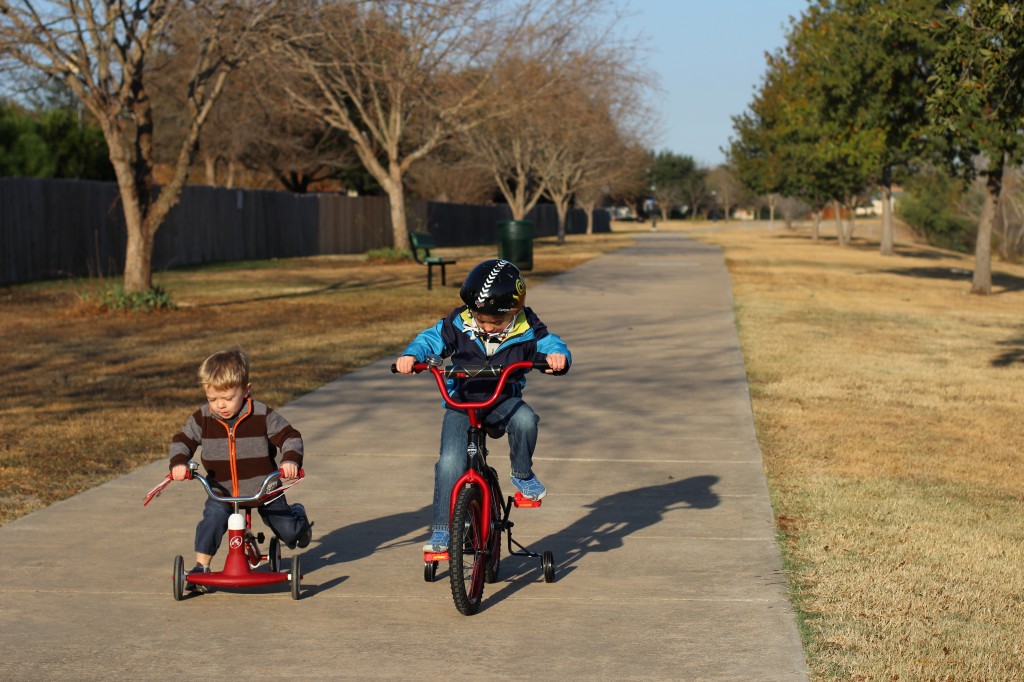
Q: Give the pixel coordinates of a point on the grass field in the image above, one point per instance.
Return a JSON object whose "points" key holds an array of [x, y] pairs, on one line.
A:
{"points": [[89, 396], [887, 402]]}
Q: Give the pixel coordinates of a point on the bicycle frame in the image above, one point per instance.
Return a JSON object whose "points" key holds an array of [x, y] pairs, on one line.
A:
{"points": [[474, 448], [493, 514]]}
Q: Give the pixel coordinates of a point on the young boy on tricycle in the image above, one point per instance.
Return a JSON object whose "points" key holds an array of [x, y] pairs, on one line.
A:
{"points": [[240, 437]]}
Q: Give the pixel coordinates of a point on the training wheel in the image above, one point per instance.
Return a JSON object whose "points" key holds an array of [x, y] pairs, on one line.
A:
{"points": [[429, 570], [179, 578], [548, 560], [296, 577]]}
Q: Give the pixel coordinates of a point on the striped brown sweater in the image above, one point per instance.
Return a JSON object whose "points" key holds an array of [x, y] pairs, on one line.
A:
{"points": [[244, 453]]}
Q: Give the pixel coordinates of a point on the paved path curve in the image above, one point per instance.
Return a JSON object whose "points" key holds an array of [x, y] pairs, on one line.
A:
{"points": [[658, 516]]}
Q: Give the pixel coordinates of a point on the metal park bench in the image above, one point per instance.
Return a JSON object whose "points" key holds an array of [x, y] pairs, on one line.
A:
{"points": [[421, 241]]}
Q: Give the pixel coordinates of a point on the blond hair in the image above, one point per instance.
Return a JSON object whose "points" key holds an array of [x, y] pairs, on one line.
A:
{"points": [[225, 369]]}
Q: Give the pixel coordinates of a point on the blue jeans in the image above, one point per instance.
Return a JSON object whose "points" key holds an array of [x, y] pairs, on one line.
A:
{"points": [[287, 522], [514, 417]]}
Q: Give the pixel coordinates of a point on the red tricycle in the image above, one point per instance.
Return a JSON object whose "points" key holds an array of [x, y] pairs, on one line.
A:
{"points": [[478, 514], [243, 547]]}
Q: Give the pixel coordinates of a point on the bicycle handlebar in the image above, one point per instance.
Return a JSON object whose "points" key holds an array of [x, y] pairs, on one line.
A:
{"points": [[473, 371]]}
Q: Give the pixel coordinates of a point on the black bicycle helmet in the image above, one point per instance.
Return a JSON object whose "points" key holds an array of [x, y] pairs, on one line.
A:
{"points": [[494, 287]]}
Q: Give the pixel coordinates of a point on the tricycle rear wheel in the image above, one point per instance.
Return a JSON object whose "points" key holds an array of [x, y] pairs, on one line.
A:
{"points": [[296, 577], [179, 578]]}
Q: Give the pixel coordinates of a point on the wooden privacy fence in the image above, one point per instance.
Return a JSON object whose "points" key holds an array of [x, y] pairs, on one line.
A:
{"points": [[62, 228]]}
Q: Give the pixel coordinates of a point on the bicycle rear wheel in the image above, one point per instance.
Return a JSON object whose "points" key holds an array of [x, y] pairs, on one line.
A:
{"points": [[466, 551]]}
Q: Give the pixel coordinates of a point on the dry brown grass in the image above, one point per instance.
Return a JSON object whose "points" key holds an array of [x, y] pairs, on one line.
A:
{"points": [[886, 397], [87, 397], [888, 407]]}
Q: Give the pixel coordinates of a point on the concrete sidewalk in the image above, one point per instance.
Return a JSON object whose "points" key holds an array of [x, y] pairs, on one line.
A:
{"points": [[657, 514]]}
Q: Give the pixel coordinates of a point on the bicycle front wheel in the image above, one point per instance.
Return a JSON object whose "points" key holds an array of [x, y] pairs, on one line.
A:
{"points": [[466, 551]]}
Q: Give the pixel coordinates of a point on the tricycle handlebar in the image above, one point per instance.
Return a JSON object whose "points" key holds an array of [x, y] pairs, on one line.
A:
{"points": [[258, 497], [263, 492]]}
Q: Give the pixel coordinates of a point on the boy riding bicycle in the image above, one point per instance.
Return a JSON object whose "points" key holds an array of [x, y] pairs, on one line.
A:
{"points": [[493, 327]]}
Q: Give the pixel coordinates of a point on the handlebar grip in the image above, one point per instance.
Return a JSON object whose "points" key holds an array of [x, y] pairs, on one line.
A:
{"points": [[416, 368]]}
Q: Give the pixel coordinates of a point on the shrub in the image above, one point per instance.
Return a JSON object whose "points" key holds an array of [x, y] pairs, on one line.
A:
{"points": [[931, 205], [116, 299]]}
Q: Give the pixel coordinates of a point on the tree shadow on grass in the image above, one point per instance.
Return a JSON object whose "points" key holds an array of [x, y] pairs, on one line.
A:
{"points": [[1001, 282], [1013, 354]]}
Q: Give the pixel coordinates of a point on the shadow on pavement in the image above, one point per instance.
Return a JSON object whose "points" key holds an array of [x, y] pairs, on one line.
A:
{"points": [[610, 520]]}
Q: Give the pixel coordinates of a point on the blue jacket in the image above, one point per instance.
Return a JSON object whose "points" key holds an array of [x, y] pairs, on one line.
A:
{"points": [[453, 337]]}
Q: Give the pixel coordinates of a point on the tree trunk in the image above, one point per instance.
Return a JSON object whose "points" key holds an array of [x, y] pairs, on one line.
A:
{"points": [[589, 210], [138, 274], [849, 224], [888, 232], [840, 234], [981, 282], [816, 230], [396, 200], [210, 166], [562, 207]]}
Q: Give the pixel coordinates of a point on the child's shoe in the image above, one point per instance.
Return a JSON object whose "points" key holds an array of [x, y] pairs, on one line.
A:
{"points": [[438, 542], [196, 587], [302, 541], [531, 487]]}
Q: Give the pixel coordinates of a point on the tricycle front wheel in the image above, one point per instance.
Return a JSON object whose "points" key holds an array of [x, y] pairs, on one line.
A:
{"points": [[274, 554]]}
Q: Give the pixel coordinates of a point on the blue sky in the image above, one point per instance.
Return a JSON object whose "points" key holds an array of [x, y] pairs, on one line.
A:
{"points": [[708, 58]]}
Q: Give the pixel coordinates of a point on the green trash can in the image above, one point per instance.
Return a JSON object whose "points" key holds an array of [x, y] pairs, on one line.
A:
{"points": [[515, 242]]}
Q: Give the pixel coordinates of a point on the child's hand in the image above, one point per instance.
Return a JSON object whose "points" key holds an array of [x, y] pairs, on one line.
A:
{"points": [[556, 362], [404, 364], [289, 470], [179, 472]]}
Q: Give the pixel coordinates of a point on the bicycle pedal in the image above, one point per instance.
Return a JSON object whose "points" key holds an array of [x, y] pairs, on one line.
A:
{"points": [[521, 501], [435, 556]]}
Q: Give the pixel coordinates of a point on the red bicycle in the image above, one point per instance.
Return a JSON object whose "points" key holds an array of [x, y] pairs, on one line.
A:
{"points": [[244, 553], [478, 513]]}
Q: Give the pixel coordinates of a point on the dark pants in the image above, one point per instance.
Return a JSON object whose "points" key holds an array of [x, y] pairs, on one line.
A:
{"points": [[287, 522]]}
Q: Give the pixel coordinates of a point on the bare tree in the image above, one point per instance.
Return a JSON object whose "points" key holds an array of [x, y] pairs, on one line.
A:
{"points": [[448, 175], [510, 141], [726, 187], [383, 68], [598, 109], [622, 173], [100, 51], [579, 145]]}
